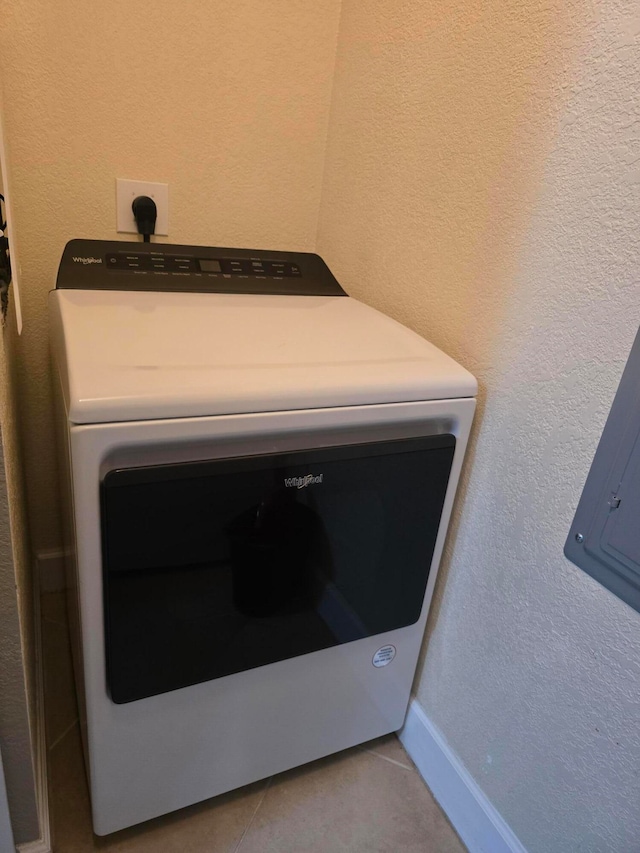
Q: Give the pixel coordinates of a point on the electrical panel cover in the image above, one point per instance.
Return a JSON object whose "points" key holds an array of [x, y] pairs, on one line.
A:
{"points": [[604, 538]]}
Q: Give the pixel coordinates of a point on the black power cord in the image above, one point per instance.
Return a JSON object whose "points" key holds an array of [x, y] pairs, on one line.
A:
{"points": [[5, 263], [145, 213]]}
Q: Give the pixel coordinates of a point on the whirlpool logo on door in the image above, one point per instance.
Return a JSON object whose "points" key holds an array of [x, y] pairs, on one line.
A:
{"points": [[303, 482]]}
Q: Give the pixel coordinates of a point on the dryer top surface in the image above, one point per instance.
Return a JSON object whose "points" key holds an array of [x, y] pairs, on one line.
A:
{"points": [[127, 356]]}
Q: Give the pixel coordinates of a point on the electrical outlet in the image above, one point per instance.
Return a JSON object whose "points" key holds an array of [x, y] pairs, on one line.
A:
{"points": [[127, 191]]}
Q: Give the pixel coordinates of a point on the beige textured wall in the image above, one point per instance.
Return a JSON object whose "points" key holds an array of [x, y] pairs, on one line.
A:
{"points": [[439, 124], [482, 186], [227, 102]]}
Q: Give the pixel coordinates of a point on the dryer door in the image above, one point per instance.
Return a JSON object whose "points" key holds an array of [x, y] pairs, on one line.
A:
{"points": [[212, 568]]}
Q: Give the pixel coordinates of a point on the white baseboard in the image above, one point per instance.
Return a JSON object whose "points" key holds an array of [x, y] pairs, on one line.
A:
{"points": [[476, 821], [42, 844], [39, 846], [50, 570]]}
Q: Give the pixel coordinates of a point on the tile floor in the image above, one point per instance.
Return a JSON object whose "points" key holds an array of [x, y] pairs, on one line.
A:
{"points": [[366, 800]]}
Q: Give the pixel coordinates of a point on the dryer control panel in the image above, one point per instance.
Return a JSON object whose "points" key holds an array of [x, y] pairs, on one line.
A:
{"points": [[115, 265]]}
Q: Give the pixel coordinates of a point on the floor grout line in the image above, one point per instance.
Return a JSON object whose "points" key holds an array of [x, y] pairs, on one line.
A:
{"points": [[63, 735], [385, 758], [253, 816]]}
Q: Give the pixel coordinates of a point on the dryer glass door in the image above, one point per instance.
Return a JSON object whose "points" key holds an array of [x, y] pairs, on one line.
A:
{"points": [[212, 568]]}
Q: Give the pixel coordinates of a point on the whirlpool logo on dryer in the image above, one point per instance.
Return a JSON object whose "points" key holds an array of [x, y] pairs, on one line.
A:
{"points": [[303, 482], [85, 261]]}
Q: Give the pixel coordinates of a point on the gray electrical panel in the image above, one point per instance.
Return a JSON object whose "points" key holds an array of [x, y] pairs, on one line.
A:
{"points": [[604, 538]]}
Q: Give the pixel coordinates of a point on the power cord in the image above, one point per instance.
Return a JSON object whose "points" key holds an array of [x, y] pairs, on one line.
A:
{"points": [[5, 262], [145, 213]]}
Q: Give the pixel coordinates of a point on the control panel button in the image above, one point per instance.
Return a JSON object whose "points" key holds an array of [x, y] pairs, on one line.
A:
{"points": [[157, 262]]}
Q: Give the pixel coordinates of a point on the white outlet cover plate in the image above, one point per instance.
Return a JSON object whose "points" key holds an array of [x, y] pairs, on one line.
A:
{"points": [[127, 190]]}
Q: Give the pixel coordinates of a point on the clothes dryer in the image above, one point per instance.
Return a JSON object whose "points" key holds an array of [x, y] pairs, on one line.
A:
{"points": [[258, 474]]}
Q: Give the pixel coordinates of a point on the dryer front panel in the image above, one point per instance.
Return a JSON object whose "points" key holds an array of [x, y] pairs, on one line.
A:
{"points": [[212, 568], [148, 757]]}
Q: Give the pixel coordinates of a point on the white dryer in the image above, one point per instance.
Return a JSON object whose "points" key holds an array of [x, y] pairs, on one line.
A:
{"points": [[259, 474]]}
